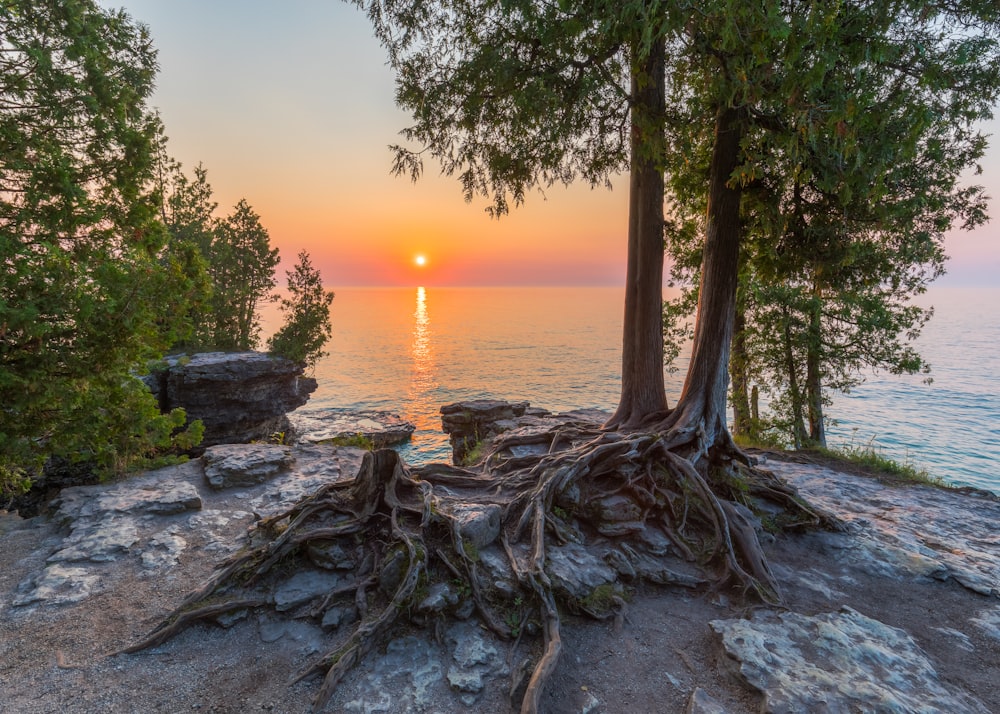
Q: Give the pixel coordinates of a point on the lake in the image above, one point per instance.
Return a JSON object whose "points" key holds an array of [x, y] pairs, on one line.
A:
{"points": [[410, 350]]}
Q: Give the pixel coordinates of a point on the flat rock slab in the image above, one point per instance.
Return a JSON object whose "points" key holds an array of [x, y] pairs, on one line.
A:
{"points": [[236, 465], [381, 428], [153, 519], [916, 531], [837, 662]]}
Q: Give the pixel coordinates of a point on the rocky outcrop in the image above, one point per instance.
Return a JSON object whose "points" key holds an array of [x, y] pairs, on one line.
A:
{"points": [[900, 611], [239, 396], [377, 429], [474, 422]]}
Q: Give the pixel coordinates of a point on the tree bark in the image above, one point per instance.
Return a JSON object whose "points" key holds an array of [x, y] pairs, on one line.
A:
{"points": [[794, 393], [643, 392], [814, 376], [702, 405], [738, 360]]}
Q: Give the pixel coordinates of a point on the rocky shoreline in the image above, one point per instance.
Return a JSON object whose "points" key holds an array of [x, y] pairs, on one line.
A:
{"points": [[900, 612]]}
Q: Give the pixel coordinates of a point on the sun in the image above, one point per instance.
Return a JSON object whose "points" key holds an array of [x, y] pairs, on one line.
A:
{"points": [[420, 260]]}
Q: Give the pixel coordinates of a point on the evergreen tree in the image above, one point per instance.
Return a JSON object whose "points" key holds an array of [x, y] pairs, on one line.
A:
{"points": [[844, 223], [88, 289], [241, 264], [307, 325]]}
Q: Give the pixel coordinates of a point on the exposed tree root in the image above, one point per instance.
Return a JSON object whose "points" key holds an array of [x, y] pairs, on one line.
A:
{"points": [[406, 532]]}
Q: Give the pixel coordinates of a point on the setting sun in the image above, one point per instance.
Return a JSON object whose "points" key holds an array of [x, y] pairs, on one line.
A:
{"points": [[420, 260]]}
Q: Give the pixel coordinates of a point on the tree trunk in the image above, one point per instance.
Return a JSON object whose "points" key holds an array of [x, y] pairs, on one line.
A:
{"points": [[794, 393], [742, 419], [814, 377], [643, 392], [702, 406]]}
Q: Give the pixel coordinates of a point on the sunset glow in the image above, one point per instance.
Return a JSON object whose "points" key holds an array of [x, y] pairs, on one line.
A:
{"points": [[319, 175]]}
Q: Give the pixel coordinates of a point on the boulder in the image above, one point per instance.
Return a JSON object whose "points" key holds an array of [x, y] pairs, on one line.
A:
{"points": [[239, 396]]}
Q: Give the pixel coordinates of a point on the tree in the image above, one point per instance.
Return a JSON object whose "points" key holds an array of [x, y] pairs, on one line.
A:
{"points": [[516, 94], [307, 316], [88, 289], [188, 212], [241, 265], [845, 223]]}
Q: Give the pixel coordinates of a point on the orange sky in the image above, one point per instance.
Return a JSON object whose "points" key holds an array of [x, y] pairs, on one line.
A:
{"points": [[290, 105]]}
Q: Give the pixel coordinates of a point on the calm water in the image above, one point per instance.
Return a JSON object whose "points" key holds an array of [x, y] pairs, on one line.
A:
{"points": [[411, 350]]}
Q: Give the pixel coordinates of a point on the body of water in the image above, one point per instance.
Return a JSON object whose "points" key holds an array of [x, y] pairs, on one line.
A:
{"points": [[410, 350]]}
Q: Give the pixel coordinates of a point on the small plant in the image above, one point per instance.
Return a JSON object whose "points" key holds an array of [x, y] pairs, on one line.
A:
{"points": [[475, 454], [357, 441], [471, 551], [870, 457]]}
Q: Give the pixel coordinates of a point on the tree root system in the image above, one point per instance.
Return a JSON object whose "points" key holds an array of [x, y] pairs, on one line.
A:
{"points": [[400, 535]]}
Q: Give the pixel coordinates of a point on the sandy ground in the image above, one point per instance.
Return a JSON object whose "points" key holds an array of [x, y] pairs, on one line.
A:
{"points": [[59, 658]]}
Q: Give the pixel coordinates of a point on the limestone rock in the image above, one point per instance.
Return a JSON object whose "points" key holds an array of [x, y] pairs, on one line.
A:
{"points": [[836, 662], [239, 396], [302, 587], [238, 465], [477, 420], [576, 570], [381, 428], [330, 555], [701, 702], [478, 525]]}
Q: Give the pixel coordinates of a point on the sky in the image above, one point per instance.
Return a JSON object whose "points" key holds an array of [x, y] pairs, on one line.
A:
{"points": [[290, 105]]}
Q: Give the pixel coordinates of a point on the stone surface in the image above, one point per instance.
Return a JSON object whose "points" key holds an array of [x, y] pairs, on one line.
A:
{"points": [[470, 422], [836, 662], [479, 525], [320, 426], [918, 531], [577, 571], [240, 465], [138, 546], [303, 587], [155, 518], [238, 396], [701, 702]]}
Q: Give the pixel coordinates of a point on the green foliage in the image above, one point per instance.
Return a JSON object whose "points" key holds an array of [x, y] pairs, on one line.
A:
{"points": [[241, 265], [307, 325], [89, 288], [475, 454], [862, 128], [357, 441], [870, 457], [234, 254]]}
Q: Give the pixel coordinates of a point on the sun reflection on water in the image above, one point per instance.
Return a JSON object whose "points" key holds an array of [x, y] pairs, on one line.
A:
{"points": [[421, 397]]}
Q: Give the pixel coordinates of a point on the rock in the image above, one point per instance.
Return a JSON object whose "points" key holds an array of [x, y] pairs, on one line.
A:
{"points": [[474, 657], [330, 555], [475, 421], [479, 525], [918, 531], [703, 703], [340, 426], [239, 396], [836, 662], [233, 466], [104, 541], [58, 585], [577, 571], [392, 572], [440, 596], [988, 620], [303, 587], [337, 616]]}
